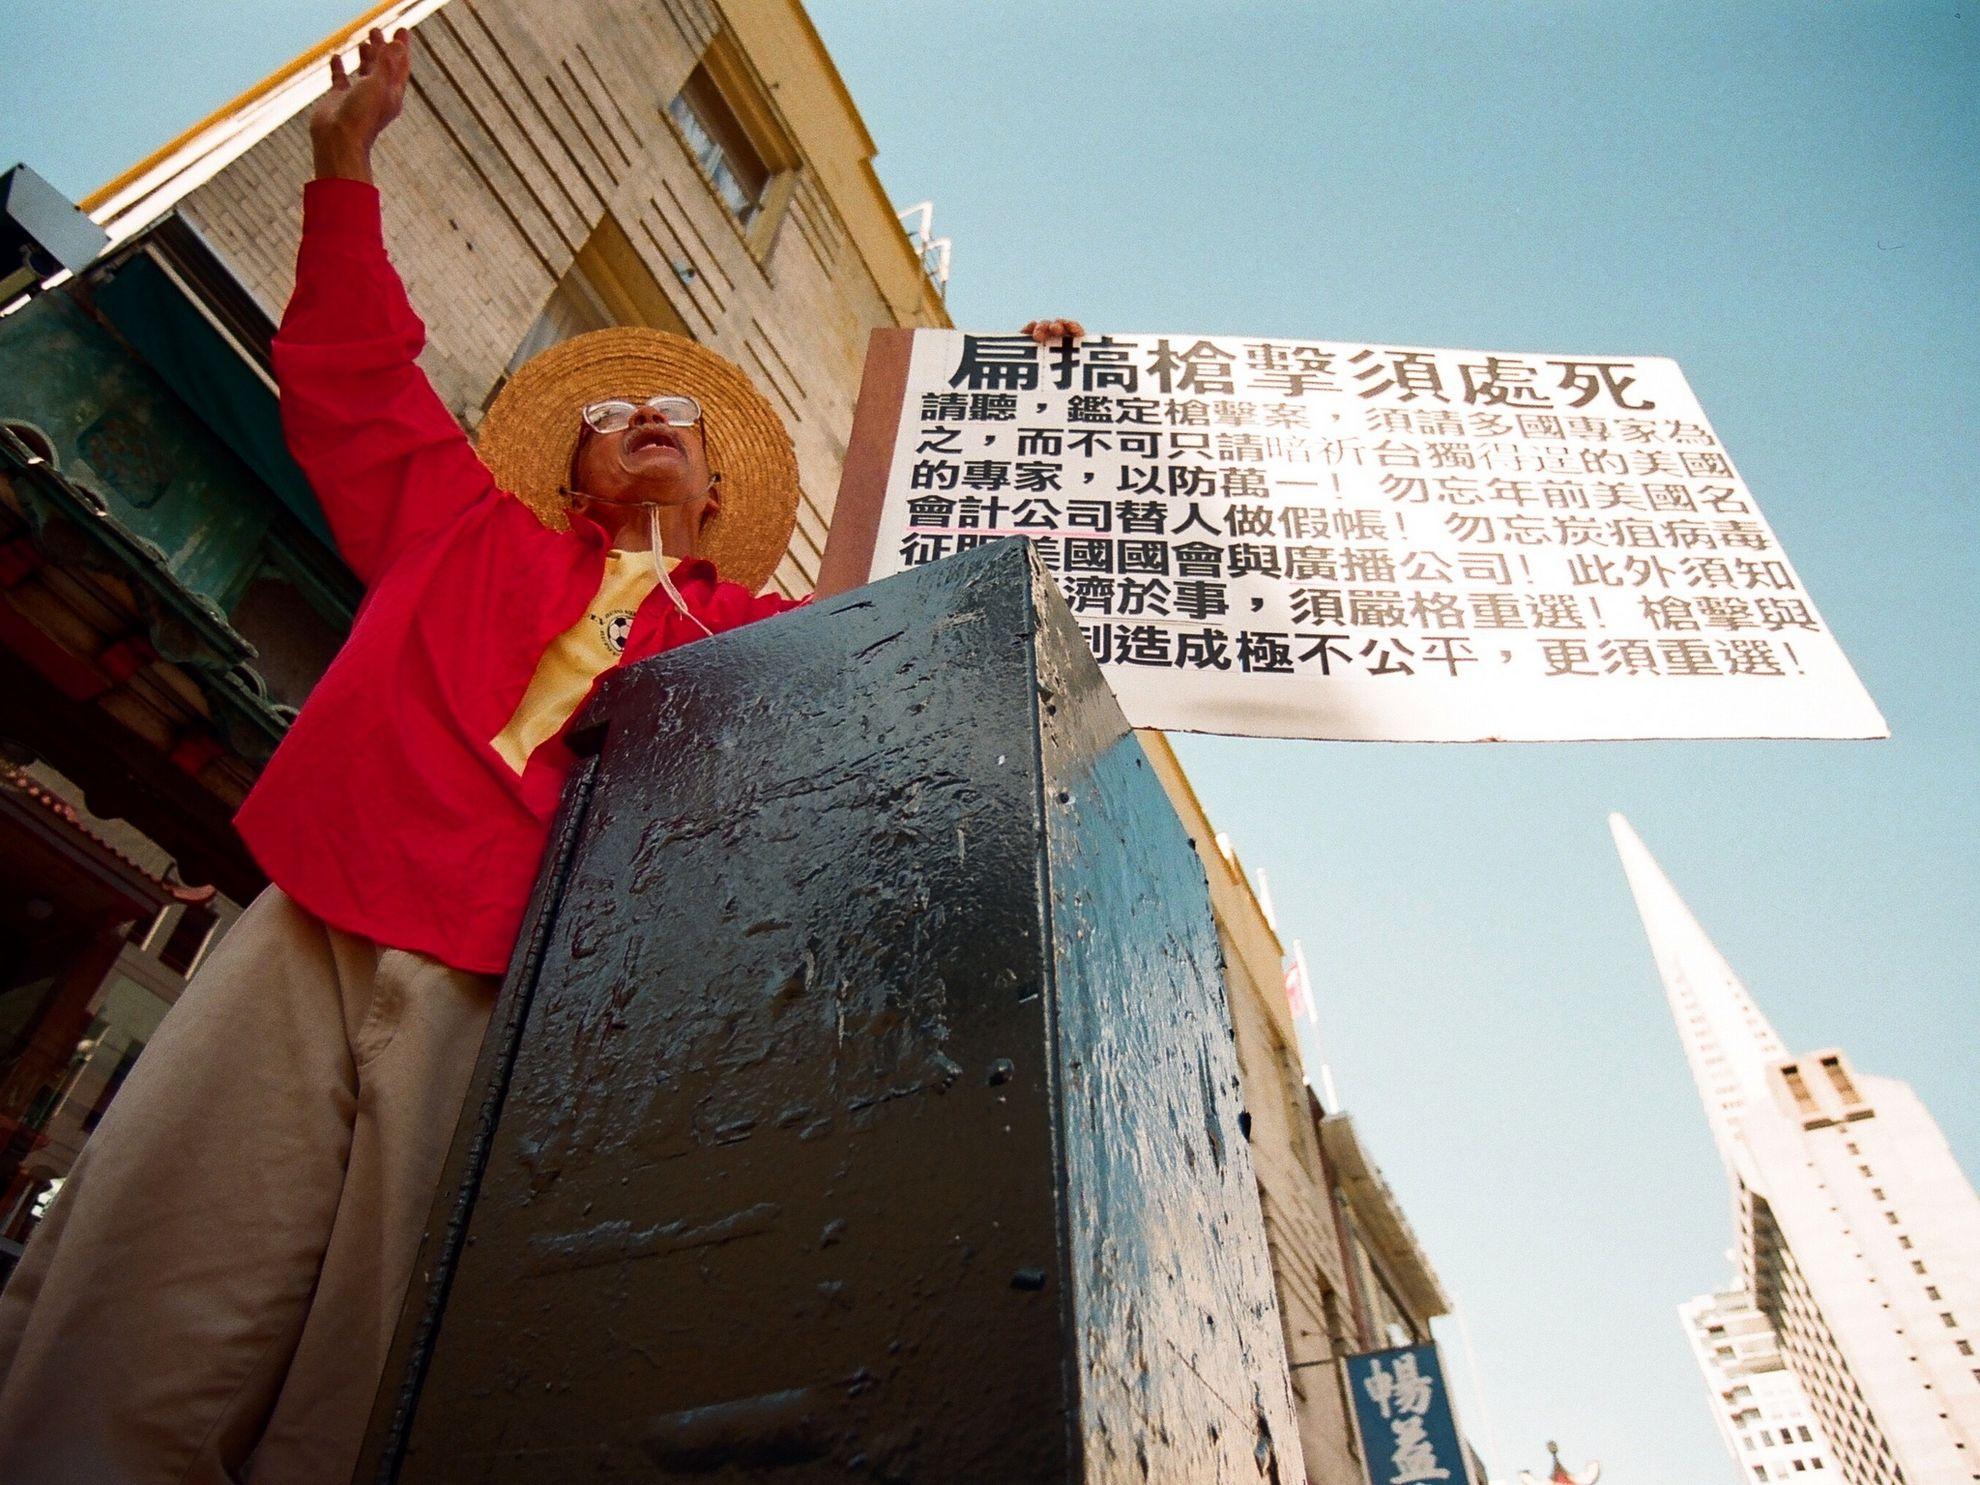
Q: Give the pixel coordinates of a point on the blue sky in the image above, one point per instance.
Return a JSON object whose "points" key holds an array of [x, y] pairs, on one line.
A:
{"points": [[1782, 198]]}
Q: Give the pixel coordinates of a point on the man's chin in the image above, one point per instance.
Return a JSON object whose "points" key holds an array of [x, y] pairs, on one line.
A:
{"points": [[659, 481], [644, 496]]}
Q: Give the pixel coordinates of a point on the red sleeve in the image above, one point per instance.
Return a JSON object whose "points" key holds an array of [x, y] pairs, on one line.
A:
{"points": [[387, 460], [769, 605], [723, 606]]}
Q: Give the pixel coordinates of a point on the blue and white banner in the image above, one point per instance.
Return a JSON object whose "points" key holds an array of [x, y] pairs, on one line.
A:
{"points": [[1402, 1409]]}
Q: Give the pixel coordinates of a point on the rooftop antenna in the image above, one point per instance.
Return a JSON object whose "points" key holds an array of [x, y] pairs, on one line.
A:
{"points": [[1264, 895], [933, 251]]}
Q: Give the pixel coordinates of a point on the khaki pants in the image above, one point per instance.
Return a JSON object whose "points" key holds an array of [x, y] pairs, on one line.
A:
{"points": [[212, 1293]]}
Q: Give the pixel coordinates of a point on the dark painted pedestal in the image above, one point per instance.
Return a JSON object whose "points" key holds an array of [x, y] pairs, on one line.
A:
{"points": [[862, 1104]]}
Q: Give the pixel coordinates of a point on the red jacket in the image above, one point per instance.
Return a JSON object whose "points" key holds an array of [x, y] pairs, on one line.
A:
{"points": [[386, 811]]}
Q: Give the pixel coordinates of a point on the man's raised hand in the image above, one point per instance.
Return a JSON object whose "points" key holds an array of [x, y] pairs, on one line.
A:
{"points": [[348, 119], [1047, 331]]}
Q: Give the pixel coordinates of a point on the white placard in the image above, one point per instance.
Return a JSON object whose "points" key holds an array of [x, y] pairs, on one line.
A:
{"points": [[1328, 540]]}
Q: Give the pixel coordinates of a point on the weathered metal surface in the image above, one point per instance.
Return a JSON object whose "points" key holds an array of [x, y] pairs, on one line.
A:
{"points": [[118, 429], [168, 301], [869, 1109], [113, 471], [1181, 1352]]}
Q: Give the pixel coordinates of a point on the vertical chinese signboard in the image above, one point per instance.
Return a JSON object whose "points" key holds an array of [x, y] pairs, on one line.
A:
{"points": [[1402, 1412], [1293, 539]]}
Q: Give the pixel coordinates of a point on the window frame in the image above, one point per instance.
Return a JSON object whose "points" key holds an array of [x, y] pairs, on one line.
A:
{"points": [[735, 84]]}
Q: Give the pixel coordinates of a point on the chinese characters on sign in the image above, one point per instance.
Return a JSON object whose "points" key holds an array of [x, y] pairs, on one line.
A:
{"points": [[1289, 539], [1402, 1412]]}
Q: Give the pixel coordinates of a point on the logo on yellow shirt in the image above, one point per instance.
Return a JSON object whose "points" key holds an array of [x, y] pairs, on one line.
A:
{"points": [[614, 628]]}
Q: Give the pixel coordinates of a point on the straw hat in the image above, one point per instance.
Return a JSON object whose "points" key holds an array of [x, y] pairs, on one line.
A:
{"points": [[531, 430]]}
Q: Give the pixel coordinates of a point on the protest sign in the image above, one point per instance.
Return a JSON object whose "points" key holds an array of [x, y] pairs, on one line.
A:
{"points": [[1330, 540]]}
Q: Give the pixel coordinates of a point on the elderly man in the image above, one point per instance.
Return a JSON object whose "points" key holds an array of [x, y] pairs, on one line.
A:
{"points": [[213, 1293]]}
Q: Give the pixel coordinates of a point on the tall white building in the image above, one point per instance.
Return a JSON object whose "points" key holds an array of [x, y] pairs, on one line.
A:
{"points": [[1762, 1413], [1859, 1235]]}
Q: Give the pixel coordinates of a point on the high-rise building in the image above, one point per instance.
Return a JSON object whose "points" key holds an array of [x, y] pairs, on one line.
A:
{"points": [[1762, 1412], [1858, 1234]]}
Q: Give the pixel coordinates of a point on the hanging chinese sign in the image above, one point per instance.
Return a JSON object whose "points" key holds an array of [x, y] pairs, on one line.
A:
{"points": [[1403, 1416], [1329, 540]]}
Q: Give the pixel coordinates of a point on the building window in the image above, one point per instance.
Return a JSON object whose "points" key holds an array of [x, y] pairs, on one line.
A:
{"points": [[188, 938], [720, 145], [1845, 1089], [1931, 1292], [1965, 1347], [1340, 1340], [609, 283], [1946, 1316], [140, 930], [732, 131], [573, 308], [125, 1063]]}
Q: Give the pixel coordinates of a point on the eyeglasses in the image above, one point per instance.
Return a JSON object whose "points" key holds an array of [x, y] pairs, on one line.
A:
{"points": [[614, 414]]}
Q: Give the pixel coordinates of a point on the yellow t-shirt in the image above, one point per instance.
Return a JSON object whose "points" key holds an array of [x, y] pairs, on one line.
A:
{"points": [[564, 675]]}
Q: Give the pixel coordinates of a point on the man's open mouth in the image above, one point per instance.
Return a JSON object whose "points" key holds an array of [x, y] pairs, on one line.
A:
{"points": [[647, 438]]}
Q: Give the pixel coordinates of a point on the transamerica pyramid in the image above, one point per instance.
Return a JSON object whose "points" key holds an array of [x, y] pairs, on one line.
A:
{"points": [[1728, 1043], [1847, 1348]]}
